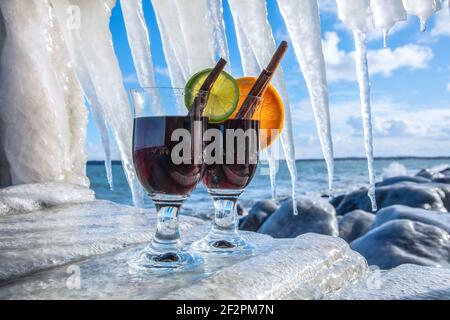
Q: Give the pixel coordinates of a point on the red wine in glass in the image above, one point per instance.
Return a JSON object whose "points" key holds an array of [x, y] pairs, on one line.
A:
{"points": [[153, 146]]}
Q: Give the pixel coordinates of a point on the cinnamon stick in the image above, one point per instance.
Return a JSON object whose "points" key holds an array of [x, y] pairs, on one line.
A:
{"points": [[200, 100], [257, 91]]}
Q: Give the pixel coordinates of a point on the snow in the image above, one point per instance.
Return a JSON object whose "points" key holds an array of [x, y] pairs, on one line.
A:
{"points": [[386, 13], [422, 9]]}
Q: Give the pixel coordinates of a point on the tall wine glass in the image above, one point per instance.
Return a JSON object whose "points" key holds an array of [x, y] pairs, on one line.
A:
{"points": [[229, 170], [168, 158]]}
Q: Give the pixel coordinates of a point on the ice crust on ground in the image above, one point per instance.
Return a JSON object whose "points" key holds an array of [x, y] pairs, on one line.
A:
{"points": [[256, 46], [54, 236], [306, 267], [303, 24], [406, 282], [30, 197], [42, 103]]}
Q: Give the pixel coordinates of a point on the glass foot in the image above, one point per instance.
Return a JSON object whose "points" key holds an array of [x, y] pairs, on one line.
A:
{"points": [[162, 262], [224, 246]]}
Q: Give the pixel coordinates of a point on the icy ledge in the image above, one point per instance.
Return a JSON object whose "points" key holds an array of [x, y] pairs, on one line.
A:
{"points": [[406, 282], [80, 251], [29, 197]]}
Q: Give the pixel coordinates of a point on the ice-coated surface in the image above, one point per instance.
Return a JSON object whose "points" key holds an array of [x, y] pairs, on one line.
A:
{"points": [[106, 76], [422, 9], [256, 46], [362, 73], [72, 41], [406, 282], [139, 41], [42, 109], [303, 24], [386, 13], [356, 14], [47, 238], [35, 196], [306, 267], [220, 38]]}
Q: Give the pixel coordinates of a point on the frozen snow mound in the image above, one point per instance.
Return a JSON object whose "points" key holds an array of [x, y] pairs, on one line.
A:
{"points": [[406, 282], [29, 197]]}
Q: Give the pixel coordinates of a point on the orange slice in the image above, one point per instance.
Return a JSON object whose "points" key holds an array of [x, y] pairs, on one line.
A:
{"points": [[270, 112]]}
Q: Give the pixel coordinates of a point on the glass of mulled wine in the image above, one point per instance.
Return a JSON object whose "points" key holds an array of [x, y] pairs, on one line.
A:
{"points": [[231, 159], [168, 159]]}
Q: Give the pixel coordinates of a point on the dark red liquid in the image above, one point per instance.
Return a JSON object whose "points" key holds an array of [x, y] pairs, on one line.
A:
{"points": [[233, 176], [152, 147]]}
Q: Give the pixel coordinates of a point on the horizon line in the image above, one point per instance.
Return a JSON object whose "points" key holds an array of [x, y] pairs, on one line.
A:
{"points": [[321, 159]]}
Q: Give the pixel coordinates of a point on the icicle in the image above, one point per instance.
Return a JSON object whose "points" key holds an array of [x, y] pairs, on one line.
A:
{"points": [[362, 72], [256, 46], [422, 9], [220, 44], [106, 77], [76, 55], [303, 24], [386, 13], [139, 42], [356, 15]]}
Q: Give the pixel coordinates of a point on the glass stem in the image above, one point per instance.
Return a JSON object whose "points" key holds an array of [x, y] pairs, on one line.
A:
{"points": [[225, 215], [167, 236]]}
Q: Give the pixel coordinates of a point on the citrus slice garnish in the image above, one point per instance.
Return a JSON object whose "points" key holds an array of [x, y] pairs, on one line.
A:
{"points": [[270, 111], [223, 97]]}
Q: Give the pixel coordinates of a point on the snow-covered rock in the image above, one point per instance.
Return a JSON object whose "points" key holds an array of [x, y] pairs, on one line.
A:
{"points": [[437, 219], [314, 215], [30, 197], [355, 224], [426, 196], [257, 215], [406, 282], [397, 179], [404, 241]]}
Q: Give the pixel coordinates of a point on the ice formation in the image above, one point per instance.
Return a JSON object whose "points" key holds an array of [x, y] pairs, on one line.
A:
{"points": [[357, 16], [422, 9], [106, 76], [256, 45], [386, 13], [35, 196], [62, 8], [43, 116], [139, 42], [303, 24], [60, 240]]}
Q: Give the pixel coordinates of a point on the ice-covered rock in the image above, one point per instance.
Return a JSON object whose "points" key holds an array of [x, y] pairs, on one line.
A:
{"points": [[406, 282], [257, 215], [307, 267], [404, 241], [355, 224], [437, 219], [397, 179], [314, 215], [29, 197], [63, 234], [425, 196]]}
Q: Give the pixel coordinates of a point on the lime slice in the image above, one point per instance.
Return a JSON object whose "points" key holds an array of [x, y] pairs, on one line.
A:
{"points": [[223, 98]]}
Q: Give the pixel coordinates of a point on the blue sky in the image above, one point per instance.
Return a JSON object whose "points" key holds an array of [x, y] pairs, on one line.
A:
{"points": [[410, 84]]}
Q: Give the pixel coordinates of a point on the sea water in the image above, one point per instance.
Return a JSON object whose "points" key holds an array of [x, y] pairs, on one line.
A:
{"points": [[351, 174]]}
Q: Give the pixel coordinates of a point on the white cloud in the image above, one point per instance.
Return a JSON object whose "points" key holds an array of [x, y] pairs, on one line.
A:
{"points": [[341, 64], [442, 24], [162, 71], [130, 78]]}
